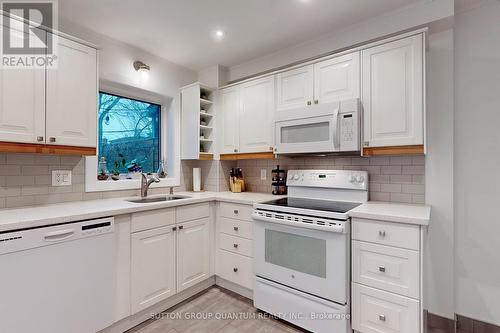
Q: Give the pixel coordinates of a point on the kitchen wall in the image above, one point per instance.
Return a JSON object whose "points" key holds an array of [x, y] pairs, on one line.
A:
{"points": [[420, 13], [476, 160]]}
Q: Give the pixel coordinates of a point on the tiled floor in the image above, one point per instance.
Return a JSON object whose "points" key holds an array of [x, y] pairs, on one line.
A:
{"points": [[216, 310]]}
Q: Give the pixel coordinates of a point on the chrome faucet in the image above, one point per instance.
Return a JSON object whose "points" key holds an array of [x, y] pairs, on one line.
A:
{"points": [[146, 183]]}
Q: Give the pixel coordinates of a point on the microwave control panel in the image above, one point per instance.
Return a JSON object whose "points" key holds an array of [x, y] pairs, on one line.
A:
{"points": [[349, 133]]}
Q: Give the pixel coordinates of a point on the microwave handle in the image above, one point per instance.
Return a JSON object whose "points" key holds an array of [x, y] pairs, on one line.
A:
{"points": [[336, 134]]}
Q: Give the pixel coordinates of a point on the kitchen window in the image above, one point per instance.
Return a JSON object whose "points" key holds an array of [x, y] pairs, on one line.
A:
{"points": [[129, 133]]}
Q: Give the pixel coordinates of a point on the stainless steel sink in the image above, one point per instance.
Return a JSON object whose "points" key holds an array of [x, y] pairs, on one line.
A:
{"points": [[160, 199]]}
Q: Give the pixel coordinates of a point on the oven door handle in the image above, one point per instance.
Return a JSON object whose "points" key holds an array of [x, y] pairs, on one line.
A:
{"points": [[335, 229]]}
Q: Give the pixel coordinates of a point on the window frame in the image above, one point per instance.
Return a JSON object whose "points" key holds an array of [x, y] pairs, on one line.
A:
{"points": [[169, 140]]}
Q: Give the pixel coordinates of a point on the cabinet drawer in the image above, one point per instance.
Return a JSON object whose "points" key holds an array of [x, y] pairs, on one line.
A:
{"points": [[388, 268], [236, 211], [235, 268], [235, 244], [236, 227], [152, 219], [385, 233], [376, 311], [192, 212]]}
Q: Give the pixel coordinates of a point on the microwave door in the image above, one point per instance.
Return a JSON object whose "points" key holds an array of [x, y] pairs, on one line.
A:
{"points": [[307, 135]]}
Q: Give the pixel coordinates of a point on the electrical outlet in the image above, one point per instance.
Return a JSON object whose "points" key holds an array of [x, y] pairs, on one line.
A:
{"points": [[263, 174], [61, 177]]}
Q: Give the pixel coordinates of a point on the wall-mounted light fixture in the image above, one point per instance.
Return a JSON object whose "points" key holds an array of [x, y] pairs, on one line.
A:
{"points": [[140, 66]]}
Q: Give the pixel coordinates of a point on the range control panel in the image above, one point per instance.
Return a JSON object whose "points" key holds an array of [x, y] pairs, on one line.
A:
{"points": [[345, 179]]}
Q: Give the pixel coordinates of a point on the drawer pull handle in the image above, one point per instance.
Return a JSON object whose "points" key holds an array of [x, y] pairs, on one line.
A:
{"points": [[381, 268], [381, 233], [181, 227], [174, 228], [235, 245], [235, 269], [235, 211], [235, 228], [381, 317]]}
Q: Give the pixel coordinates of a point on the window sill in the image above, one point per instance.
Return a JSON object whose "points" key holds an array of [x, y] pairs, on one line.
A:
{"points": [[92, 184]]}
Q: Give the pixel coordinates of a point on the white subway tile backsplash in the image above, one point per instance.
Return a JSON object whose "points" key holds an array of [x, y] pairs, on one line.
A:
{"points": [[414, 189], [401, 197], [33, 170], [19, 180], [34, 190], [11, 191], [10, 170], [390, 188], [413, 169], [391, 170], [20, 159]]}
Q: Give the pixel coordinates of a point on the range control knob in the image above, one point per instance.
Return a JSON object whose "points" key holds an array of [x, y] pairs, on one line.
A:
{"points": [[360, 179], [352, 179], [296, 177]]}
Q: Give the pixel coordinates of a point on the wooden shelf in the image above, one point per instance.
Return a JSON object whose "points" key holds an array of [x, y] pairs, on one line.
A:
{"points": [[205, 102], [206, 140], [206, 127], [30, 148], [206, 157], [396, 150], [247, 156], [204, 114]]}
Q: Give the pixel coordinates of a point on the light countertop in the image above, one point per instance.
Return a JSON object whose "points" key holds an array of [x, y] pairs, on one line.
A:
{"points": [[36, 216], [393, 212]]}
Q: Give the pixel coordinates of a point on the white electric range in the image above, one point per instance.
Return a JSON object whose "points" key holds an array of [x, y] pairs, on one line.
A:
{"points": [[302, 249]]}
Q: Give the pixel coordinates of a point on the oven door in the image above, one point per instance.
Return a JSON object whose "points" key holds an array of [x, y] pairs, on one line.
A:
{"points": [[312, 261], [308, 135]]}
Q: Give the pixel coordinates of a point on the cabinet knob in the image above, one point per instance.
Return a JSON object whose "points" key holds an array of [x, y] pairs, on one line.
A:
{"points": [[39, 138], [271, 148], [309, 103], [236, 211], [235, 150], [235, 269], [52, 139], [181, 227], [235, 228], [235, 245], [381, 269], [316, 101], [381, 233], [366, 143], [174, 228], [381, 317]]}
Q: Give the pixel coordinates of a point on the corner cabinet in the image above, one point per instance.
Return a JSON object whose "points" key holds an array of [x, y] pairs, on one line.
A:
{"points": [[51, 110], [247, 113], [393, 93]]}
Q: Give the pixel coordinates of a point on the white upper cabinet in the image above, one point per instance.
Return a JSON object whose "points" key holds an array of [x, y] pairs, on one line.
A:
{"points": [[256, 115], [22, 103], [337, 79], [393, 93], [230, 109], [295, 88], [72, 96], [193, 253]]}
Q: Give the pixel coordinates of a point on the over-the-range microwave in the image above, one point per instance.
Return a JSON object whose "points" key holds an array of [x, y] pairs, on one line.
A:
{"points": [[321, 128]]}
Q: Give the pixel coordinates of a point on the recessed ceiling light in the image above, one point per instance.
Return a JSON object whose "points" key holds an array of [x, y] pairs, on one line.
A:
{"points": [[218, 35]]}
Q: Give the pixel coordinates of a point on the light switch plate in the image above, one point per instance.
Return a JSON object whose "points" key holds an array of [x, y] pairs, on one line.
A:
{"points": [[61, 177], [263, 174]]}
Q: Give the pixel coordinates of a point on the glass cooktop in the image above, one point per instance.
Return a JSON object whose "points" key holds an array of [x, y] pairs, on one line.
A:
{"points": [[313, 204]]}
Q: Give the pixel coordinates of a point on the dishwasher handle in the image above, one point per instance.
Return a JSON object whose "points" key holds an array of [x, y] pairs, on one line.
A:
{"points": [[59, 235]]}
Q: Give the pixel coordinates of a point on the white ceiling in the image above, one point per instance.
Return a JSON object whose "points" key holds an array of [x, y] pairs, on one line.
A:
{"points": [[180, 30]]}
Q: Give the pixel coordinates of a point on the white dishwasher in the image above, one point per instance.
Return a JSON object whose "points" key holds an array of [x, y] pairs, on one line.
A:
{"points": [[58, 279]]}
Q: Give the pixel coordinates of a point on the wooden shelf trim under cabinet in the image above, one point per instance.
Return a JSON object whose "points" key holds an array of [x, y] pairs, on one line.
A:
{"points": [[30, 148], [247, 156], [396, 150], [206, 157]]}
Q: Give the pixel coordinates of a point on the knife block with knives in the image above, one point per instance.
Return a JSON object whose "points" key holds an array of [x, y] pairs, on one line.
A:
{"points": [[236, 182]]}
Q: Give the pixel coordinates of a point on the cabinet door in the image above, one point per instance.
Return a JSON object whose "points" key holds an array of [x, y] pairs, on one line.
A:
{"points": [[152, 267], [256, 115], [230, 109], [337, 79], [193, 253], [72, 96], [393, 93], [22, 102], [295, 88]]}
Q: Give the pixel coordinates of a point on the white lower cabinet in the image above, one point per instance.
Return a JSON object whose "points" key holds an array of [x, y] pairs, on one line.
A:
{"points": [[152, 267], [234, 259], [386, 277], [193, 253], [171, 250]]}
